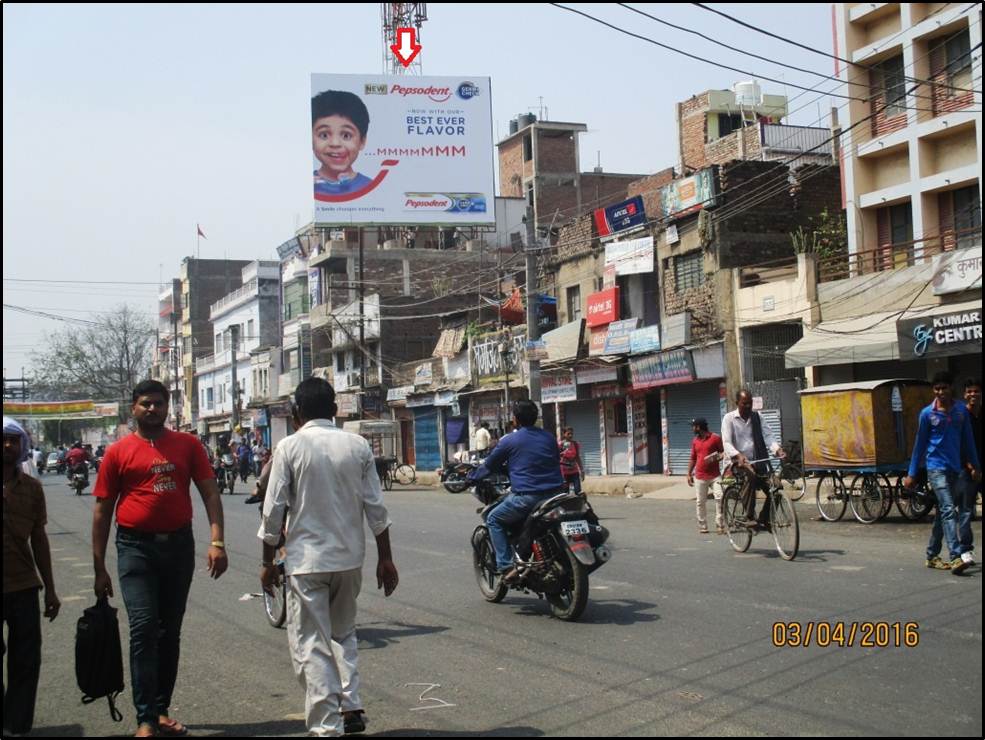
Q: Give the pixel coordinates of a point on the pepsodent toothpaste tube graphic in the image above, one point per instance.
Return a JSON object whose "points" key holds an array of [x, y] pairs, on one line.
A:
{"points": [[445, 202]]}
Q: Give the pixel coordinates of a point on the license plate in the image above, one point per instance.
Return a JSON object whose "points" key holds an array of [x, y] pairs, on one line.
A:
{"points": [[572, 528]]}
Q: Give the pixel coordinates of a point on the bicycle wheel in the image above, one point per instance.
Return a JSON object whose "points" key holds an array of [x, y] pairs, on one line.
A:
{"points": [[917, 502], [830, 497], [405, 474], [739, 535], [783, 522], [865, 496], [387, 480], [275, 604], [888, 491], [793, 480]]}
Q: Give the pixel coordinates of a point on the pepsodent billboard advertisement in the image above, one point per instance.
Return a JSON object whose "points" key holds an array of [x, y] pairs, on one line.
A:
{"points": [[402, 150]]}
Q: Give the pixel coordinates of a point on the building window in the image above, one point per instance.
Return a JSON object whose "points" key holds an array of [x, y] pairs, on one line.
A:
{"points": [[340, 362], [574, 303], [957, 53], [528, 148], [218, 342], [889, 81], [727, 123], [209, 399], [689, 271], [249, 331], [895, 227], [968, 217], [901, 224]]}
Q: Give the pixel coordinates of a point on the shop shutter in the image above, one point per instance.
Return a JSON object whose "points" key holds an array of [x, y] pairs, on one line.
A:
{"points": [[584, 417], [427, 450], [684, 403]]}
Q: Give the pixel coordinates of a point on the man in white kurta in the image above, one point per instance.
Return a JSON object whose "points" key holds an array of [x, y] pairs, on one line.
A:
{"points": [[323, 482]]}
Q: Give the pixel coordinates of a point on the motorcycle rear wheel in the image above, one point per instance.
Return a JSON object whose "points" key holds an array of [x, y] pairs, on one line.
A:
{"points": [[571, 602], [456, 484], [484, 561]]}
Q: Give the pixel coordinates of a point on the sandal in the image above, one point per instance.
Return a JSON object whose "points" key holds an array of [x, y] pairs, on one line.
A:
{"points": [[171, 728], [146, 729]]}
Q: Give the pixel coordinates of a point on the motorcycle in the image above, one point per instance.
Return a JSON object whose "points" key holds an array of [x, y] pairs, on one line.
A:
{"points": [[562, 539], [454, 476], [79, 479], [225, 473]]}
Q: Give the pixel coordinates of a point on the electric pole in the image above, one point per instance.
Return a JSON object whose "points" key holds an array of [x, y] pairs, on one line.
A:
{"points": [[234, 332], [533, 329]]}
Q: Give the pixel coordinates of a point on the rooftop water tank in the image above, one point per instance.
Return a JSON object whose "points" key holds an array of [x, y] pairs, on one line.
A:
{"points": [[748, 94]]}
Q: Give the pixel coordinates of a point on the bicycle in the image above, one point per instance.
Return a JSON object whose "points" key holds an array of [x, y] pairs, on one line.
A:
{"points": [[784, 525], [405, 474], [792, 474], [275, 601], [865, 494]]}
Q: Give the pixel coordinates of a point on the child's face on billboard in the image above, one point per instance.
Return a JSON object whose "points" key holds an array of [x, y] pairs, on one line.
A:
{"points": [[336, 142]]}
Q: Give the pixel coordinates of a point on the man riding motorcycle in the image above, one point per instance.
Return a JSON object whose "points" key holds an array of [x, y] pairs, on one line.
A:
{"points": [[530, 457], [77, 460]]}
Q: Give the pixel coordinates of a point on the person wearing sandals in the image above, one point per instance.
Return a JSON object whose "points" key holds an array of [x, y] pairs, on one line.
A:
{"points": [[145, 480]]}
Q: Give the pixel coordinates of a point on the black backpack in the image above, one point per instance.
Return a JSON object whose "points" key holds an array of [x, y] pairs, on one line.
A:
{"points": [[98, 656]]}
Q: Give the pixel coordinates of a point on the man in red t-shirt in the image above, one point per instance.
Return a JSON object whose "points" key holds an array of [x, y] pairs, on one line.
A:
{"points": [[705, 451], [146, 478]]}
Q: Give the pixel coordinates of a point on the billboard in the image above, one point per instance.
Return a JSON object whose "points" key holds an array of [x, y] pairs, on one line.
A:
{"points": [[402, 150], [626, 216], [630, 257], [603, 307], [689, 194]]}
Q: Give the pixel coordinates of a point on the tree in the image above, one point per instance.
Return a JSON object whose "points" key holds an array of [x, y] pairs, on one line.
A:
{"points": [[103, 359]]}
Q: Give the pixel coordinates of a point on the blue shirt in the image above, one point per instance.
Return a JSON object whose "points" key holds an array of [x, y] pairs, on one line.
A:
{"points": [[530, 456], [945, 439], [343, 187]]}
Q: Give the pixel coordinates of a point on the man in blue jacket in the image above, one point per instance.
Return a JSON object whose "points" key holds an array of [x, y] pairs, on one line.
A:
{"points": [[945, 445], [530, 456]]}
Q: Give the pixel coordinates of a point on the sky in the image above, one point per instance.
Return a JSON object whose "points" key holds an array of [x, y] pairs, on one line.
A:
{"points": [[124, 126]]}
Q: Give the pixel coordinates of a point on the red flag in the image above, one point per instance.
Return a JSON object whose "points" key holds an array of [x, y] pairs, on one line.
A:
{"points": [[200, 231]]}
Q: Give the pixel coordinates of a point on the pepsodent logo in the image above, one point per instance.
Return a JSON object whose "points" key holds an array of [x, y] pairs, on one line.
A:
{"points": [[445, 202], [468, 90], [437, 94]]}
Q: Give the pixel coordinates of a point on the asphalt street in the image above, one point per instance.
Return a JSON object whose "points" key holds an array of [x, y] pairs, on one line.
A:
{"points": [[677, 638]]}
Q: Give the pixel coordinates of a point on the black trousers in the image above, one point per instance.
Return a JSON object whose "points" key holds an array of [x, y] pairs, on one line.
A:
{"points": [[22, 615]]}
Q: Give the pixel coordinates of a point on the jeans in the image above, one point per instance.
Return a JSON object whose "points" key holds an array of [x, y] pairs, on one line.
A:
{"points": [[22, 615], [513, 510], [154, 581], [965, 503], [946, 485], [573, 482]]}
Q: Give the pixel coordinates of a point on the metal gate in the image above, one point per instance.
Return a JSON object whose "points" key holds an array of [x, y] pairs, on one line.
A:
{"points": [[780, 398], [427, 448], [684, 403], [583, 416]]}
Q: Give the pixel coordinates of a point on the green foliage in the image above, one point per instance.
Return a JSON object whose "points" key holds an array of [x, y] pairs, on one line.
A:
{"points": [[825, 236]]}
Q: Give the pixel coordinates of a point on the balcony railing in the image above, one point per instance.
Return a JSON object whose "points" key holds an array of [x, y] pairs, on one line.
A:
{"points": [[248, 290], [895, 256]]}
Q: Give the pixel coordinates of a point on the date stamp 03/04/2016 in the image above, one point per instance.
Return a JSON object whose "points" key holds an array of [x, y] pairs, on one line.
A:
{"points": [[846, 634]]}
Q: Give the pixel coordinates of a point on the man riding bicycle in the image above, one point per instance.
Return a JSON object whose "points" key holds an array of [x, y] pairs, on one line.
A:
{"points": [[745, 438], [530, 457]]}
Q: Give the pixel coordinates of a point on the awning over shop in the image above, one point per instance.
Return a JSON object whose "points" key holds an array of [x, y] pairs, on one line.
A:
{"points": [[870, 338]]}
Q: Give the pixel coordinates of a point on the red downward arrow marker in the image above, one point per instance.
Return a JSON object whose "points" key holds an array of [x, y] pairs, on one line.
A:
{"points": [[406, 48]]}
